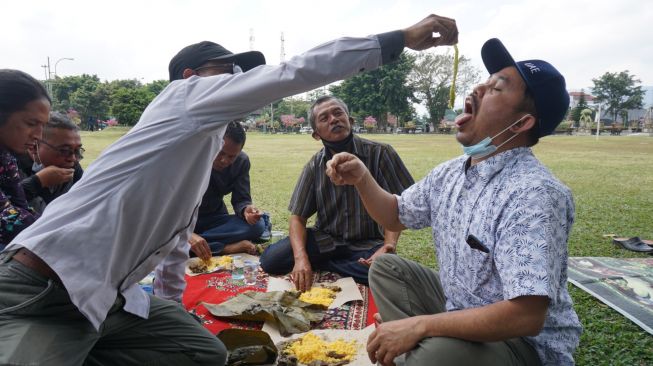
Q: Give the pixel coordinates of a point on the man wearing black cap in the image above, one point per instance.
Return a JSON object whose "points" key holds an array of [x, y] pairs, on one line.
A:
{"points": [[69, 291], [500, 223]]}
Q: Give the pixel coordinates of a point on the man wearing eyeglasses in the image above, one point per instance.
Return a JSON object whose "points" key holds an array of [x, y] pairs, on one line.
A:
{"points": [[53, 167]]}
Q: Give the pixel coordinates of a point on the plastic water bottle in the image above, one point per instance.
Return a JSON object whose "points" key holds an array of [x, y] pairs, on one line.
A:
{"points": [[250, 272], [237, 269]]}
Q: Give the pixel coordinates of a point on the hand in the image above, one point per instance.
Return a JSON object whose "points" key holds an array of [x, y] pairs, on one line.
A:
{"points": [[302, 275], [252, 214], [386, 248], [420, 36], [200, 247], [51, 176], [345, 168], [393, 338]]}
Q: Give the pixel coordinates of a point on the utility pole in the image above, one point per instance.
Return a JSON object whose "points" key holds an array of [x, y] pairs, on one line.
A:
{"points": [[48, 75], [49, 72], [282, 56], [45, 71]]}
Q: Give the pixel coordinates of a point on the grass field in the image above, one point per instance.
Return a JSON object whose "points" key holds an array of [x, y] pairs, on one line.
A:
{"points": [[612, 182]]}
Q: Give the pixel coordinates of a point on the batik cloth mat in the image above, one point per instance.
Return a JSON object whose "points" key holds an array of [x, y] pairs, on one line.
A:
{"points": [[215, 288]]}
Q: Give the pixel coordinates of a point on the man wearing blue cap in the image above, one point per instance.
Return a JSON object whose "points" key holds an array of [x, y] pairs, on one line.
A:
{"points": [[500, 223]]}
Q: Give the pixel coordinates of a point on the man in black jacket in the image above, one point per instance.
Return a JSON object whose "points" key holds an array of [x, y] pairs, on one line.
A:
{"points": [[53, 167], [216, 231]]}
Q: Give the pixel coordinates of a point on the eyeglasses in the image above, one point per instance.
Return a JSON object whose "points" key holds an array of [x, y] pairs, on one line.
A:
{"points": [[66, 151], [223, 68]]}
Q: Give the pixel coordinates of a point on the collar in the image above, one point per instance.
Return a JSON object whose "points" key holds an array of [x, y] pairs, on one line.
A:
{"points": [[487, 168], [355, 148]]}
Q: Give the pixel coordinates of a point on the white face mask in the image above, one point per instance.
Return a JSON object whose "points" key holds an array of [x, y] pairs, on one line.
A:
{"points": [[37, 167], [484, 147]]}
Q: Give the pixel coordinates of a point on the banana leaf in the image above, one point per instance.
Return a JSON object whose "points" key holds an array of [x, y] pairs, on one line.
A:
{"points": [[282, 307], [248, 347]]}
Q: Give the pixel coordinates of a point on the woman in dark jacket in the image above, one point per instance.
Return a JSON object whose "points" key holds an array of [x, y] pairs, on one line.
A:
{"points": [[24, 110]]}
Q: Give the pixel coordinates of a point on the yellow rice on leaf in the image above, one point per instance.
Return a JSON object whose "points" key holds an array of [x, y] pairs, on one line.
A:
{"points": [[319, 296], [311, 348]]}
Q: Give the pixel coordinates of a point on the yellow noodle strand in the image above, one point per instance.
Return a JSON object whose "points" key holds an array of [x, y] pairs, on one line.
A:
{"points": [[452, 90]]}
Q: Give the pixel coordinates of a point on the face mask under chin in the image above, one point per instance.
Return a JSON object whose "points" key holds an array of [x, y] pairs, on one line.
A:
{"points": [[484, 147]]}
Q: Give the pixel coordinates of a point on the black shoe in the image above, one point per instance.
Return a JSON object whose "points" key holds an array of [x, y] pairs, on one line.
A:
{"points": [[634, 244]]}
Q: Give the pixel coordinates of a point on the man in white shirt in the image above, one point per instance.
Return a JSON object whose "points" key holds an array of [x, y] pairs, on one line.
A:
{"points": [[68, 284]]}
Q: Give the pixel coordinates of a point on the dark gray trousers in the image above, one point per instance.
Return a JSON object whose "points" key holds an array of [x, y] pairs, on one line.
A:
{"points": [[40, 326]]}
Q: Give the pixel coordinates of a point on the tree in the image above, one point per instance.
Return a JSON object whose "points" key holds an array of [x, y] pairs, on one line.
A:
{"points": [[370, 123], [432, 76], [157, 86], [64, 88], [378, 92], [294, 106], [619, 92], [129, 104], [582, 104]]}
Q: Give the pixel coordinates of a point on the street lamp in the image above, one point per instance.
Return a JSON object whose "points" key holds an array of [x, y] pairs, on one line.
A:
{"points": [[59, 60]]}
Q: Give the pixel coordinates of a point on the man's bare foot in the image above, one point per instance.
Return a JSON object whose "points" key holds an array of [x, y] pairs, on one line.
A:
{"points": [[243, 246]]}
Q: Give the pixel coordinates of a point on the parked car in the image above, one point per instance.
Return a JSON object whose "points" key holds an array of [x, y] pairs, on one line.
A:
{"points": [[419, 130]]}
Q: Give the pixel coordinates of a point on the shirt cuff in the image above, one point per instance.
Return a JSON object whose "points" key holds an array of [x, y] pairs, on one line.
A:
{"points": [[392, 45], [240, 210]]}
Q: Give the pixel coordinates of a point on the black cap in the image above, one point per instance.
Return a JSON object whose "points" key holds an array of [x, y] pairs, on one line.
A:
{"points": [[195, 55], [544, 82]]}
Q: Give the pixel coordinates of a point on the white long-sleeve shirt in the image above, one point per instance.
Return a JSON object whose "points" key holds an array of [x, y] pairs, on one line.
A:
{"points": [[137, 202]]}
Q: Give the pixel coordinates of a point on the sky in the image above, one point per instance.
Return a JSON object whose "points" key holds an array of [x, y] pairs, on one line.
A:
{"points": [[136, 39]]}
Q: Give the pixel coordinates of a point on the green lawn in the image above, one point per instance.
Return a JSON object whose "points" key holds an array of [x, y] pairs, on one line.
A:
{"points": [[611, 180]]}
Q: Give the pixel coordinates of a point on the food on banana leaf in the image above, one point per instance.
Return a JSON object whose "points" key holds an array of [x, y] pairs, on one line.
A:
{"points": [[311, 349], [210, 265], [321, 295]]}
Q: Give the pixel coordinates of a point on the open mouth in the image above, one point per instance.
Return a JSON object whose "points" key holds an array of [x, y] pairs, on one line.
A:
{"points": [[468, 112]]}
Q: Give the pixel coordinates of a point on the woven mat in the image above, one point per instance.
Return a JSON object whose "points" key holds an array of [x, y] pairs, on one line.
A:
{"points": [[215, 288]]}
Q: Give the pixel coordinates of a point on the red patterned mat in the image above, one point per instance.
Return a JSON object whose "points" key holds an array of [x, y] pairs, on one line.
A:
{"points": [[216, 288]]}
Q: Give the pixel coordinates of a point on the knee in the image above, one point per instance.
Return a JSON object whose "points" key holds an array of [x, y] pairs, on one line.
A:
{"points": [[383, 264], [265, 262], [214, 353], [268, 261], [448, 352], [385, 267]]}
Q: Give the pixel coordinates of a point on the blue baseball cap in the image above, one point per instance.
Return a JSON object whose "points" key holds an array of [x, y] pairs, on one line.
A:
{"points": [[542, 80]]}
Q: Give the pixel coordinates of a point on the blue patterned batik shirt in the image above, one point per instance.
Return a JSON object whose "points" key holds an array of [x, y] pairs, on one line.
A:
{"points": [[523, 215]]}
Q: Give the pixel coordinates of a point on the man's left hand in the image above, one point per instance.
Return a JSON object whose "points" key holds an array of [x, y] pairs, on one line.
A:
{"points": [[393, 338], [386, 248], [252, 214]]}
